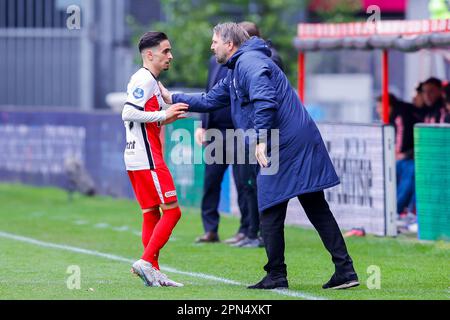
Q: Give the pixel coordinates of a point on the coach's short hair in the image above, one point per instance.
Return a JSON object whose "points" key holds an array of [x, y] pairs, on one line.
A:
{"points": [[151, 39], [231, 32]]}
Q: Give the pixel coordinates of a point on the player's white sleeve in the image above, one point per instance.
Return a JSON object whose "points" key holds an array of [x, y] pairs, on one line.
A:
{"points": [[130, 113], [141, 88]]}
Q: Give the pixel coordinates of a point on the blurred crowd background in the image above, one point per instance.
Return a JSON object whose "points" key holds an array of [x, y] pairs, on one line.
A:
{"points": [[46, 64]]}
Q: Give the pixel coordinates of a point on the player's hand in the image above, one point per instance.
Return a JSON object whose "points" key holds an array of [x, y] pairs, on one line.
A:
{"points": [[176, 112], [167, 96], [200, 136], [261, 155], [177, 109]]}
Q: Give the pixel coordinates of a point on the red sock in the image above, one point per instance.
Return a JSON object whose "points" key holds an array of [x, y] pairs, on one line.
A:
{"points": [[161, 235], [150, 219]]}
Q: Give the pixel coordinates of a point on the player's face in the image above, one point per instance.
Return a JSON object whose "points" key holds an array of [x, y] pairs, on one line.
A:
{"points": [[162, 56], [221, 49]]}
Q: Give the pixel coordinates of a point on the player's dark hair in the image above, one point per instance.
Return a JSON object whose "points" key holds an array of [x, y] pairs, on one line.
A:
{"points": [[151, 39], [434, 81]]}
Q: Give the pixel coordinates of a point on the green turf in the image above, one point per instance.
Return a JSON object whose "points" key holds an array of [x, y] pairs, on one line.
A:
{"points": [[409, 269]]}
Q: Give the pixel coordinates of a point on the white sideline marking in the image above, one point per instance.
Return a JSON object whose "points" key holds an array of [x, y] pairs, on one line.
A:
{"points": [[121, 229], [101, 226], [104, 225], [113, 257]]}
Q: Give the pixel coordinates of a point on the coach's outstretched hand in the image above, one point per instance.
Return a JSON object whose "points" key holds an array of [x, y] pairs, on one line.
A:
{"points": [[175, 112], [167, 96]]}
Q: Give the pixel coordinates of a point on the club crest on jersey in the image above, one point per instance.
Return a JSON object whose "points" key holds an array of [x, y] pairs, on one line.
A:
{"points": [[138, 93]]}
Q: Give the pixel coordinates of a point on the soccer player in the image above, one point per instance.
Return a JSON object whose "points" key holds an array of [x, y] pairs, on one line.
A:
{"points": [[151, 180]]}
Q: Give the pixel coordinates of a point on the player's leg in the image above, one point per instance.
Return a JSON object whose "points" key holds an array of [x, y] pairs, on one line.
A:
{"points": [[162, 232], [161, 235], [171, 214], [145, 192], [150, 219]]}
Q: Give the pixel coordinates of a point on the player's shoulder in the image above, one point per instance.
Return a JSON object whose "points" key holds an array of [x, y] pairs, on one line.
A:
{"points": [[143, 77]]}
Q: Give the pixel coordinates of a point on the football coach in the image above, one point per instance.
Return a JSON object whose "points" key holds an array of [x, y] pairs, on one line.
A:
{"points": [[262, 98]]}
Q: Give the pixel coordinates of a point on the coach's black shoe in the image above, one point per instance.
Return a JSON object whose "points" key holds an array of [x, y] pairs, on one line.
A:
{"points": [[267, 283], [341, 282]]}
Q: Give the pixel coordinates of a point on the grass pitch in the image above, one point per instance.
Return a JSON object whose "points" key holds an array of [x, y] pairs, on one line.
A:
{"points": [[42, 234]]}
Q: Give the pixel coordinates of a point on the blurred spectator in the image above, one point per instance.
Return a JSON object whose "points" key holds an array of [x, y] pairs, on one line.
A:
{"points": [[418, 101], [420, 110], [253, 31], [433, 97], [214, 173], [248, 172], [402, 117], [447, 102], [244, 174]]}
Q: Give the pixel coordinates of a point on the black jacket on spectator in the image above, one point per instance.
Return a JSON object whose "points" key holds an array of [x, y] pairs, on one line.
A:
{"points": [[447, 118], [275, 55], [219, 119], [403, 118], [420, 113], [436, 113]]}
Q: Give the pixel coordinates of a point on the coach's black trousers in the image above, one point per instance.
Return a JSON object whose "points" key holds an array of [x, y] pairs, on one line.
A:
{"points": [[319, 213]]}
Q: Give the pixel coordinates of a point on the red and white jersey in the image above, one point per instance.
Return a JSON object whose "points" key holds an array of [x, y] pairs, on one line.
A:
{"points": [[143, 149]]}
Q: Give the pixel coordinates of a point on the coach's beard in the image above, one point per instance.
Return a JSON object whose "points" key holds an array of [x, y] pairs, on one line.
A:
{"points": [[221, 59]]}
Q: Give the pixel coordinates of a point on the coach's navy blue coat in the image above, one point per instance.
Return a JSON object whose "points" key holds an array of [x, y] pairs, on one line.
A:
{"points": [[261, 97]]}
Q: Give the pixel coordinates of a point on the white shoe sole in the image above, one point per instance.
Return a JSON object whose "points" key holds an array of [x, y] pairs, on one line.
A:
{"points": [[173, 285], [346, 285]]}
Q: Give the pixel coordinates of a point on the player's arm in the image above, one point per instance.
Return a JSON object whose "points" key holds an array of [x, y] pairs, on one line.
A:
{"points": [[138, 93], [217, 98], [134, 113]]}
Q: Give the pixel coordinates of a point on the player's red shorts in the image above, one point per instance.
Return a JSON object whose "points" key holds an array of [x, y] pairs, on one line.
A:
{"points": [[153, 187]]}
